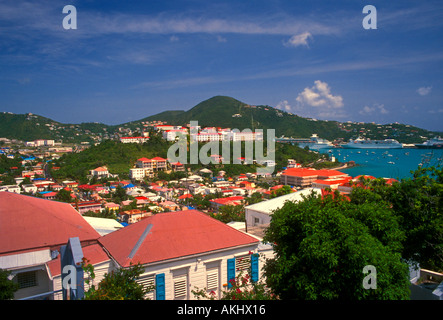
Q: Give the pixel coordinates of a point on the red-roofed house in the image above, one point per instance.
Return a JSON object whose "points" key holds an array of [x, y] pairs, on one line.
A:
{"points": [[160, 163], [333, 184], [32, 230], [100, 172], [182, 250], [304, 177], [232, 201]]}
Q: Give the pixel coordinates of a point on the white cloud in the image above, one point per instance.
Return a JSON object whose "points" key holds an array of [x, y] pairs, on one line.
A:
{"points": [[284, 105], [423, 91], [322, 100], [298, 40], [320, 96], [436, 111], [173, 38], [376, 107]]}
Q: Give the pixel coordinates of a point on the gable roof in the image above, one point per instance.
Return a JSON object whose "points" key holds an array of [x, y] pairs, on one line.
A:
{"points": [[268, 206], [171, 235], [28, 223], [93, 253]]}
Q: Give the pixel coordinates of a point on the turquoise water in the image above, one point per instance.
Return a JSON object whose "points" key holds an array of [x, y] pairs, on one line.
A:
{"points": [[386, 163]]}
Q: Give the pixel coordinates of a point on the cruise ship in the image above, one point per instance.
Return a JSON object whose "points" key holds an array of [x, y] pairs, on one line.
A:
{"points": [[434, 143], [373, 144], [313, 143]]}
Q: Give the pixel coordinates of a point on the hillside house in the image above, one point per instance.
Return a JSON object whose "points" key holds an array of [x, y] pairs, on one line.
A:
{"points": [[160, 163], [178, 250], [232, 201], [172, 135], [85, 206], [100, 172], [31, 233], [185, 249], [260, 213], [10, 188], [137, 173], [134, 139], [304, 177]]}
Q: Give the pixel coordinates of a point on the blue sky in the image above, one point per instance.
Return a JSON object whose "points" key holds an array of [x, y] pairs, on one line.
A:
{"points": [[130, 59]]}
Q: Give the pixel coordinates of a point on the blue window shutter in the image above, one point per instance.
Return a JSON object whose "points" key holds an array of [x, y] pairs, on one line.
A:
{"points": [[231, 271], [254, 267], [160, 286]]}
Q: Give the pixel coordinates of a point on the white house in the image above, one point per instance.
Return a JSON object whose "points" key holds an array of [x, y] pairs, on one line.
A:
{"points": [[10, 188], [32, 230], [137, 173], [179, 250], [171, 135], [100, 172], [185, 249], [141, 139], [260, 213]]}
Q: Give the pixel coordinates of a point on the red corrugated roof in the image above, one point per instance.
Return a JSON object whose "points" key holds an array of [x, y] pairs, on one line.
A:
{"points": [[173, 235], [29, 223]]}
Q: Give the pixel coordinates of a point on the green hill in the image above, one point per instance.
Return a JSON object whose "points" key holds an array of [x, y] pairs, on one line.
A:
{"points": [[218, 111], [222, 111]]}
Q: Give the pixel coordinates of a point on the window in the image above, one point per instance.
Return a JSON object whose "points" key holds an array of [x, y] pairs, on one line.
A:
{"points": [[180, 287], [243, 263], [27, 279], [148, 282], [256, 221], [212, 279]]}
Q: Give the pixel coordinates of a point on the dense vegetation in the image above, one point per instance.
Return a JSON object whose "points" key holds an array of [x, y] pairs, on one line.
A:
{"points": [[120, 157], [217, 111], [323, 244]]}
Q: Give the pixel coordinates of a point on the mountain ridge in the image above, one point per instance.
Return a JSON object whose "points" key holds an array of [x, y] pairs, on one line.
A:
{"points": [[218, 111]]}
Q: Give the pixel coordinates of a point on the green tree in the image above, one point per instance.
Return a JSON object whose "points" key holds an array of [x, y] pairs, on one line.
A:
{"points": [[418, 204], [322, 245], [281, 191], [230, 213], [7, 287], [120, 284], [64, 196]]}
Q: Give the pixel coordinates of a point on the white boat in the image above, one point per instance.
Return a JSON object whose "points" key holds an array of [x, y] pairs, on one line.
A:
{"points": [[373, 144]]}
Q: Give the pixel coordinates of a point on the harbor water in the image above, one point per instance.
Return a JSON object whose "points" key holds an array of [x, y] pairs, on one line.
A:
{"points": [[386, 163]]}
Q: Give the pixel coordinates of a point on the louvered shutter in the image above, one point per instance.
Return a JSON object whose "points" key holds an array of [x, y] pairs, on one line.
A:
{"points": [[160, 286], [254, 267], [231, 271], [212, 279], [180, 287]]}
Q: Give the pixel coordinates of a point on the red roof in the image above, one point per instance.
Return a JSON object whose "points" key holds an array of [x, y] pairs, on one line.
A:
{"points": [[93, 253], [144, 160], [173, 235], [158, 159], [30, 223], [185, 196], [305, 172], [228, 200]]}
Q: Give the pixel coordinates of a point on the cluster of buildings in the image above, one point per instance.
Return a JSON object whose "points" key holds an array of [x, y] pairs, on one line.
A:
{"points": [[207, 134], [178, 250], [40, 143]]}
